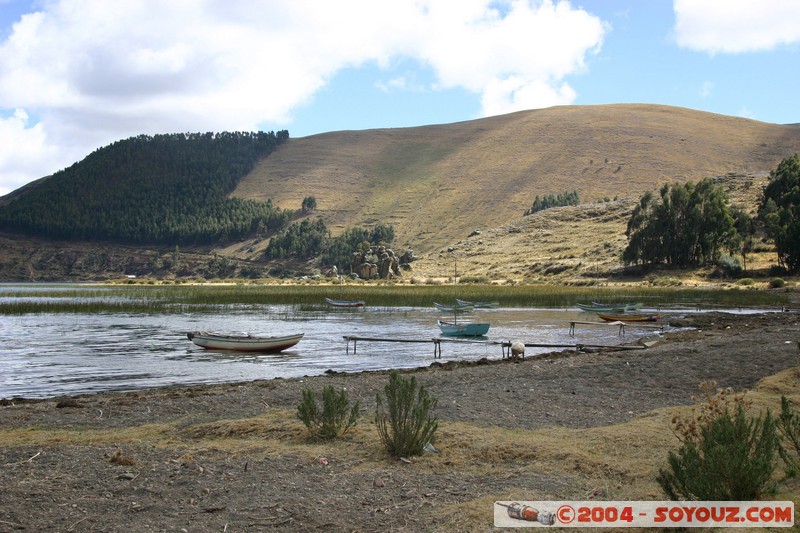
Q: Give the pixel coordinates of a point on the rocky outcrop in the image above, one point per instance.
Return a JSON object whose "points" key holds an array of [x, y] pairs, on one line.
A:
{"points": [[379, 262]]}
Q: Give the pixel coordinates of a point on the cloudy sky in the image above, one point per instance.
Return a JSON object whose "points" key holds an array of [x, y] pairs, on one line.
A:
{"points": [[76, 75]]}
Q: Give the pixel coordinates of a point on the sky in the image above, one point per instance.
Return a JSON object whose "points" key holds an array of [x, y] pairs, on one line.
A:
{"points": [[77, 75]]}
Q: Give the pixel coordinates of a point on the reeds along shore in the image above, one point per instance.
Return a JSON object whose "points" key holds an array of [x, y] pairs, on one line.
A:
{"points": [[179, 298]]}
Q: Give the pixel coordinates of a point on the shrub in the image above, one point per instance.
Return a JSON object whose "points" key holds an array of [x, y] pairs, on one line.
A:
{"points": [[746, 282], [728, 265], [724, 456], [336, 417], [776, 283], [406, 425], [789, 428], [659, 281]]}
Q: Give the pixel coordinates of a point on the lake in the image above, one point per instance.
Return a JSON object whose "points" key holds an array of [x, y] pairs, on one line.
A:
{"points": [[52, 355]]}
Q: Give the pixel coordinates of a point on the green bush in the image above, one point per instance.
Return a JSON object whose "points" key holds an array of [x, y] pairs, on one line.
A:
{"points": [[789, 428], [732, 459], [336, 417], [406, 425], [776, 283], [746, 282], [728, 265], [659, 281]]}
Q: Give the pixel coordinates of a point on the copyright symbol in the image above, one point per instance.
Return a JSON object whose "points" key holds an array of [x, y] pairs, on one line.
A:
{"points": [[565, 514]]}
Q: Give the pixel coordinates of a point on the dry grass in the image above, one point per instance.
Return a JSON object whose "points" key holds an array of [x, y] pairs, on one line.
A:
{"points": [[435, 184], [615, 462], [621, 459]]}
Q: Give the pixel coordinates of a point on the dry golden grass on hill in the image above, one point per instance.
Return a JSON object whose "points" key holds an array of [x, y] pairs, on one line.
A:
{"points": [[576, 243], [435, 184]]}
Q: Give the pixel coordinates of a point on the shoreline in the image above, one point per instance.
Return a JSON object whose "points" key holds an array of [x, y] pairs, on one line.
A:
{"points": [[235, 457]]}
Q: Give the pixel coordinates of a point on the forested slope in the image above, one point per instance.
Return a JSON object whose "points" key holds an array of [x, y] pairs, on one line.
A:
{"points": [[162, 189]]}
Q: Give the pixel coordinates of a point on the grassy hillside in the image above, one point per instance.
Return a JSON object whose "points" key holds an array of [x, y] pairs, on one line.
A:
{"points": [[436, 184]]}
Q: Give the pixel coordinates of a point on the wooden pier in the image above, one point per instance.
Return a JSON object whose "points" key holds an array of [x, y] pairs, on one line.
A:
{"points": [[505, 346], [618, 323]]}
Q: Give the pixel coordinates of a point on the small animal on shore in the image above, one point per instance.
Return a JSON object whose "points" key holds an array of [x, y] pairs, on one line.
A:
{"points": [[517, 350]]}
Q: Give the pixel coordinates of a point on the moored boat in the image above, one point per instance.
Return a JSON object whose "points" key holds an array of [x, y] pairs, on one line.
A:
{"points": [[243, 343], [629, 318], [478, 305], [345, 303], [467, 329], [457, 308]]}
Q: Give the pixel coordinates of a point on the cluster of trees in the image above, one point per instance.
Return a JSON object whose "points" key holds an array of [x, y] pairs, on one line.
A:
{"points": [[692, 224], [339, 251], [553, 200], [162, 189], [685, 225], [311, 239], [780, 212]]}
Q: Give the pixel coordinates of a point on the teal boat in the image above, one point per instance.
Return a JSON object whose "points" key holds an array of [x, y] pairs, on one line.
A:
{"points": [[468, 329]]}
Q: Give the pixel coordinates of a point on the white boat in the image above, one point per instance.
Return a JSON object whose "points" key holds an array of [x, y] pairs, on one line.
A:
{"points": [[478, 305], [345, 303], [458, 308], [243, 343], [467, 329]]}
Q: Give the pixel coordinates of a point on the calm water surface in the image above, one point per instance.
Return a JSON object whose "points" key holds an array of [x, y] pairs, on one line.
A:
{"points": [[50, 355]]}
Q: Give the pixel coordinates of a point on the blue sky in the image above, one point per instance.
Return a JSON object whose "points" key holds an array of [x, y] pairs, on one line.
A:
{"points": [[76, 75]]}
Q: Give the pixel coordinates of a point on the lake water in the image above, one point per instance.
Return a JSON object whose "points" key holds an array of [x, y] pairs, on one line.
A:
{"points": [[51, 355]]}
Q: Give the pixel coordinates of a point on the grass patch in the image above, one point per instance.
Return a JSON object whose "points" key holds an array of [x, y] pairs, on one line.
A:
{"points": [[215, 298]]}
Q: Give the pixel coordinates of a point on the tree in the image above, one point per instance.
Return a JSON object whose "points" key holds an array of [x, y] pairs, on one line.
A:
{"points": [[780, 211], [309, 204], [686, 225], [553, 200], [743, 242]]}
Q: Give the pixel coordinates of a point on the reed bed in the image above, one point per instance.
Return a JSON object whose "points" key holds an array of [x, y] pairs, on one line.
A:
{"points": [[310, 298]]}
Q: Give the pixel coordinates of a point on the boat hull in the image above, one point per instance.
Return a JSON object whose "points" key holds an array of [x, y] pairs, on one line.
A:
{"points": [[468, 329], [345, 303], [243, 343], [628, 318], [454, 308], [478, 305]]}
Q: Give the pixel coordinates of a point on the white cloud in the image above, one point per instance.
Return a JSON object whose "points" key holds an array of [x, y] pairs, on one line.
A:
{"points": [[93, 72], [24, 152], [735, 26], [706, 89]]}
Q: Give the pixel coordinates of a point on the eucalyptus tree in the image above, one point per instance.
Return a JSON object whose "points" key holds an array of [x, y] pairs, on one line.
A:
{"points": [[685, 225], [780, 211]]}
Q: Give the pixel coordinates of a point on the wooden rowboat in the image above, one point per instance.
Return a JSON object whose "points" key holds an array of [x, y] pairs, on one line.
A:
{"points": [[453, 308], [478, 305], [629, 318], [243, 343], [468, 329], [345, 303]]}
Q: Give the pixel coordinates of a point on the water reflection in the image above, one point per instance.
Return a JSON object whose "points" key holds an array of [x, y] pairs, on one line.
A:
{"points": [[52, 355]]}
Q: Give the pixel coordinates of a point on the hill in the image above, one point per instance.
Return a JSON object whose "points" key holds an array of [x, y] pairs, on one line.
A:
{"points": [[436, 185]]}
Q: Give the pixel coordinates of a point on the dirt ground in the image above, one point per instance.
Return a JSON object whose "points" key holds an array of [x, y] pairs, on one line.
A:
{"points": [[234, 457]]}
